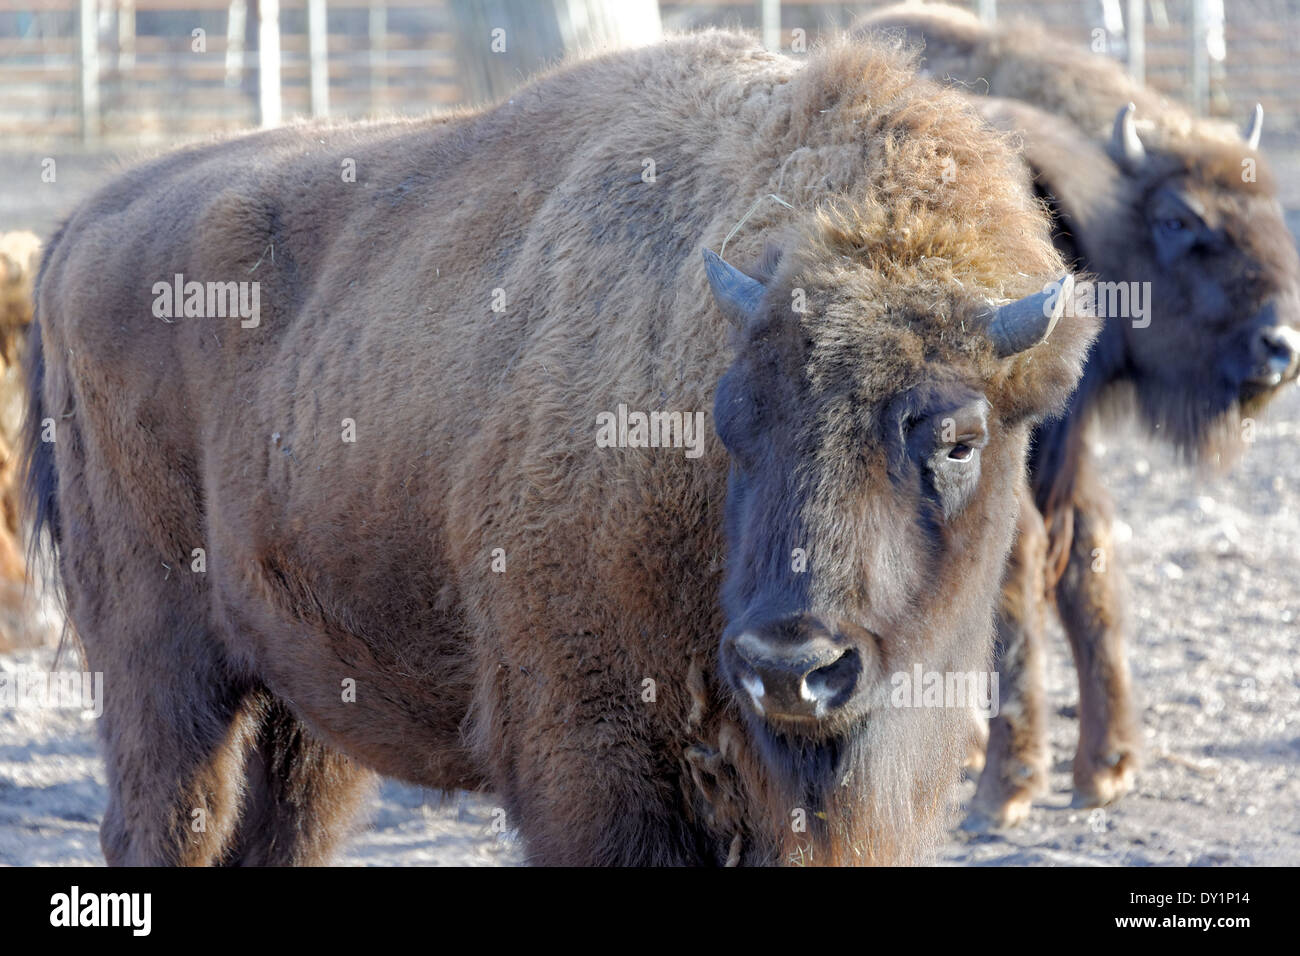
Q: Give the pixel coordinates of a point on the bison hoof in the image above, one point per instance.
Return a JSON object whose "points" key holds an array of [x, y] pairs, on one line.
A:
{"points": [[1010, 813], [1105, 779], [977, 746]]}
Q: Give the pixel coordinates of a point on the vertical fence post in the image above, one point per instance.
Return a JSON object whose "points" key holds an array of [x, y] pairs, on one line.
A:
{"points": [[769, 15], [268, 60], [1137, 41], [125, 35], [318, 47], [1200, 57], [236, 22], [378, 44], [89, 70]]}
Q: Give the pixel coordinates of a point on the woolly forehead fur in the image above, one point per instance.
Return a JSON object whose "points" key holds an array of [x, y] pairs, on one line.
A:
{"points": [[929, 218]]}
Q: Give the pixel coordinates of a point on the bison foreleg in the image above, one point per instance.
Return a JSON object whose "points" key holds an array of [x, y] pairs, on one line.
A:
{"points": [[1089, 598], [1015, 769]]}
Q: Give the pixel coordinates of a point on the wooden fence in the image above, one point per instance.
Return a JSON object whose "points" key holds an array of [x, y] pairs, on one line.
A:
{"points": [[165, 68], [146, 69]]}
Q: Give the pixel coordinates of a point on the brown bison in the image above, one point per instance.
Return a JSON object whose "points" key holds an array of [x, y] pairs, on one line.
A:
{"points": [[369, 522], [1196, 274]]}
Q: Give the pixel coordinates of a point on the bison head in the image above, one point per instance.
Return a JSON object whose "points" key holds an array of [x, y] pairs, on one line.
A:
{"points": [[1201, 223], [876, 452]]}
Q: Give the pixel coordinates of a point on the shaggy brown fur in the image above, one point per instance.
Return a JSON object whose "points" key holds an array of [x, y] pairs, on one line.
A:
{"points": [[1020, 60], [1223, 288], [373, 561], [20, 254]]}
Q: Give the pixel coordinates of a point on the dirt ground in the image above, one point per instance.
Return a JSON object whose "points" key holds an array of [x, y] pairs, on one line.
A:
{"points": [[1213, 563], [1215, 599]]}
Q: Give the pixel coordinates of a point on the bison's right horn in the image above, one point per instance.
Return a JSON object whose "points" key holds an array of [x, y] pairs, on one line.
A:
{"points": [[737, 295], [1125, 146], [1254, 126], [1024, 323]]}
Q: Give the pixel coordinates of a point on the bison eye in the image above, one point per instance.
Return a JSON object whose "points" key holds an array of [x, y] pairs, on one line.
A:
{"points": [[954, 474]]}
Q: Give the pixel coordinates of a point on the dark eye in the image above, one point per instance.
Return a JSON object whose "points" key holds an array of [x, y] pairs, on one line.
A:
{"points": [[954, 473], [1175, 234], [941, 443]]}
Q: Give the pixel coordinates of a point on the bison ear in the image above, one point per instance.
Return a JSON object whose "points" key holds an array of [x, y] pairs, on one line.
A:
{"points": [[1125, 146], [1254, 126], [738, 295], [1022, 324]]}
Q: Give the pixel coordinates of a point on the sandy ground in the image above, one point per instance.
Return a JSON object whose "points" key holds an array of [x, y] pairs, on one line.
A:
{"points": [[1215, 597]]}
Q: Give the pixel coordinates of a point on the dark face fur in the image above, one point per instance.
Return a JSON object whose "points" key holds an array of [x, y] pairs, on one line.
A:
{"points": [[1224, 331], [843, 506], [1224, 295]]}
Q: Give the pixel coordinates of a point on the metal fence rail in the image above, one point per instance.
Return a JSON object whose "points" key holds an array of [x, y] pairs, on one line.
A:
{"points": [[164, 68]]}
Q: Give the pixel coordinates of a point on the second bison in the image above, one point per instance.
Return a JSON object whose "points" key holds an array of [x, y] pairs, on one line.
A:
{"points": [[1197, 278]]}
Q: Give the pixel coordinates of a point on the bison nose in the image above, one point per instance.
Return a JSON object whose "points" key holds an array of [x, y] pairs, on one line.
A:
{"points": [[804, 677], [1277, 354]]}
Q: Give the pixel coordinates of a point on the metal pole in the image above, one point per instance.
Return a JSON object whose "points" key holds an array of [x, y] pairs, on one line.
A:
{"points": [[378, 28], [89, 69], [988, 10], [769, 12], [236, 22], [268, 59], [1200, 57], [125, 35], [318, 48], [1137, 41]]}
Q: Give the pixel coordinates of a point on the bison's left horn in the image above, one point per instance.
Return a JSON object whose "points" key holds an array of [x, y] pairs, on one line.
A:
{"points": [[737, 295], [1125, 145], [1024, 323], [1254, 126]]}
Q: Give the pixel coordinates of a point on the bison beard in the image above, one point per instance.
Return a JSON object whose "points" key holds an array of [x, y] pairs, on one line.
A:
{"points": [[492, 591], [873, 797]]}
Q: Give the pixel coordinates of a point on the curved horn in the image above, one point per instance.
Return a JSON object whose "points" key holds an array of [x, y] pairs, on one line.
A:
{"points": [[737, 294], [1022, 324], [1125, 146], [1254, 126]]}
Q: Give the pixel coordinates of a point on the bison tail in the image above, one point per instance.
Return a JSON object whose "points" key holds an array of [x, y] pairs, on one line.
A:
{"points": [[39, 474]]}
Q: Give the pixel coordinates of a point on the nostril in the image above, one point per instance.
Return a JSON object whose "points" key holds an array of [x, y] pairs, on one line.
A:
{"points": [[832, 684], [1275, 349], [1280, 343]]}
